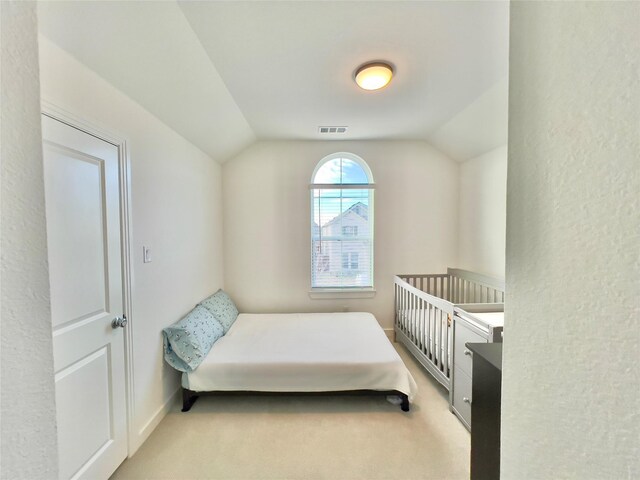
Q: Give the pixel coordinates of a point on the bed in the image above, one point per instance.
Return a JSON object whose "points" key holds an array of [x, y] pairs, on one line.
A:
{"points": [[424, 310], [302, 353]]}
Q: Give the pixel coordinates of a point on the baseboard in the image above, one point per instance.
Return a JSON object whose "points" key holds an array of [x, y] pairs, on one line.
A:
{"points": [[156, 418], [390, 334]]}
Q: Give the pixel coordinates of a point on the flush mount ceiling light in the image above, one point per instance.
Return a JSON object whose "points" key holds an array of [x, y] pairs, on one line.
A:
{"points": [[373, 75]]}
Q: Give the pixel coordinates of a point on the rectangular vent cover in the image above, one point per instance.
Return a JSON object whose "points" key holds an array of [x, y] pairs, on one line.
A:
{"points": [[332, 129]]}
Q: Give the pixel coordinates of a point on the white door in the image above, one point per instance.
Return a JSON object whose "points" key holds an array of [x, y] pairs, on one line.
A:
{"points": [[85, 271]]}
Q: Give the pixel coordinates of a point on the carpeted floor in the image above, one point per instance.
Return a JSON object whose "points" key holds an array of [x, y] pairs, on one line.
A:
{"points": [[326, 437]]}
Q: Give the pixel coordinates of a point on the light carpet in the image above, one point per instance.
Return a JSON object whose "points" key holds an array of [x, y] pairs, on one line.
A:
{"points": [[327, 437]]}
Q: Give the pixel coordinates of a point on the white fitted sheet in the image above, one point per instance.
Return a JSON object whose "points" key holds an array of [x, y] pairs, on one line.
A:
{"points": [[302, 352]]}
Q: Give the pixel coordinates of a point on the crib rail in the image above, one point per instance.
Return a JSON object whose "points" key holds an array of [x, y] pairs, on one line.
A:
{"points": [[424, 306], [422, 324], [470, 287], [433, 284], [458, 286]]}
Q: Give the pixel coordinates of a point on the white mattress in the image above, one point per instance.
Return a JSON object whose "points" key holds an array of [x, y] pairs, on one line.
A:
{"points": [[302, 352]]}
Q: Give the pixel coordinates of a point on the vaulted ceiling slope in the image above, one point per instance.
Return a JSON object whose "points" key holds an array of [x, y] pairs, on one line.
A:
{"points": [[149, 51], [222, 73]]}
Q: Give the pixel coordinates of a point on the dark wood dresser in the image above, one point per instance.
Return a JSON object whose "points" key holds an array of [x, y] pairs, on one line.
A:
{"points": [[485, 410]]}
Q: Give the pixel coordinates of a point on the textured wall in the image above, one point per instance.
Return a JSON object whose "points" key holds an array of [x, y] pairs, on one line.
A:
{"points": [[267, 221], [176, 210], [28, 443], [482, 215], [571, 378]]}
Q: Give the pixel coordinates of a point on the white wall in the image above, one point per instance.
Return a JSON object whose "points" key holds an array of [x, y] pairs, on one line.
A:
{"points": [[267, 221], [176, 211], [483, 213], [571, 379], [28, 441]]}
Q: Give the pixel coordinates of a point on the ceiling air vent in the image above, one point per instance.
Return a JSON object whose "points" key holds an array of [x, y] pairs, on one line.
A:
{"points": [[332, 129]]}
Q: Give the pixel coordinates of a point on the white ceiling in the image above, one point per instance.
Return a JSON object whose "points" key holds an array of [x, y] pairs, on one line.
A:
{"points": [[221, 73], [482, 125]]}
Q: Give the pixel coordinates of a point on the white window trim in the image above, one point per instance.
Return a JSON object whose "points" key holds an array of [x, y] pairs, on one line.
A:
{"points": [[346, 292], [321, 293]]}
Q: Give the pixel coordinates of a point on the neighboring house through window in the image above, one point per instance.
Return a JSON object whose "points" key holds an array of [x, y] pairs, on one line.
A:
{"points": [[350, 261], [342, 223]]}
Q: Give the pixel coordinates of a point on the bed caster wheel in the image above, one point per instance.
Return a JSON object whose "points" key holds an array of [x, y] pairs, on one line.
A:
{"points": [[404, 406]]}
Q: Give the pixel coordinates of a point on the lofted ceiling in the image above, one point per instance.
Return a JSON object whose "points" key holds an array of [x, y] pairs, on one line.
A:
{"points": [[225, 73]]}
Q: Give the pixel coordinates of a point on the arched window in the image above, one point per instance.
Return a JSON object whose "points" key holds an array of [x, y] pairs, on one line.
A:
{"points": [[342, 223]]}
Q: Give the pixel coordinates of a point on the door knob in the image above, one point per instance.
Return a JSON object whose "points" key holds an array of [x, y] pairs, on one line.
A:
{"points": [[119, 322], [466, 400]]}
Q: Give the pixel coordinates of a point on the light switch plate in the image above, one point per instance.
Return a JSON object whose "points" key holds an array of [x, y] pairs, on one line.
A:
{"points": [[146, 254]]}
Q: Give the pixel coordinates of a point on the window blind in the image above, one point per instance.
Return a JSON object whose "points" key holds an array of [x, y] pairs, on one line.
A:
{"points": [[342, 228]]}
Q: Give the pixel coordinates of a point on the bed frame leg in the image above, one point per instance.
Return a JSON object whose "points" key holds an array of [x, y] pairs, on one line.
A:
{"points": [[405, 402], [189, 397]]}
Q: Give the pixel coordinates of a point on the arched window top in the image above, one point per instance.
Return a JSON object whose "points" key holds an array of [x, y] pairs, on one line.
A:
{"points": [[342, 169]]}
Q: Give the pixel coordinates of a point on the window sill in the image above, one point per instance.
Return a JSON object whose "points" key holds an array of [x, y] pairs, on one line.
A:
{"points": [[330, 293]]}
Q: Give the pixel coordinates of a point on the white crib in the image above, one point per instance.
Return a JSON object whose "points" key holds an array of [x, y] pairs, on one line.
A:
{"points": [[424, 310]]}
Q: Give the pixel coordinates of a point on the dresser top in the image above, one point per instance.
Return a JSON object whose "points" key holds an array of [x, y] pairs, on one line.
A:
{"points": [[491, 352]]}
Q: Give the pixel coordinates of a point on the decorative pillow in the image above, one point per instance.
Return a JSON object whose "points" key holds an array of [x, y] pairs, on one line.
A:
{"points": [[188, 341], [222, 307]]}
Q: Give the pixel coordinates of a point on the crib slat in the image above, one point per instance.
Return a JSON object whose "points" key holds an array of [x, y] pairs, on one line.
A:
{"points": [[430, 331], [406, 311], [431, 307], [421, 320], [435, 336], [395, 304], [409, 300], [423, 316], [446, 345], [434, 347], [400, 307], [414, 308], [454, 298], [418, 323], [410, 314], [438, 344], [404, 308], [417, 317], [443, 320], [434, 350], [425, 328]]}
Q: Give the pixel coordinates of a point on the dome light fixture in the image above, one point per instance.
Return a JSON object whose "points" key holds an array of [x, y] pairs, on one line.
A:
{"points": [[373, 75]]}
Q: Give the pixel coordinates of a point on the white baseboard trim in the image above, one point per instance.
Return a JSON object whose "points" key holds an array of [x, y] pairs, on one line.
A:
{"points": [[156, 418]]}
